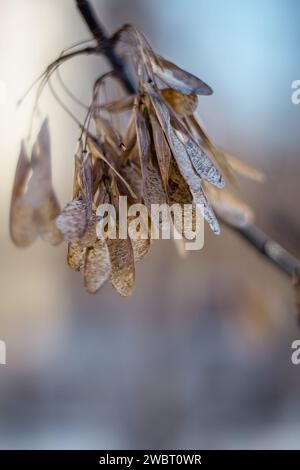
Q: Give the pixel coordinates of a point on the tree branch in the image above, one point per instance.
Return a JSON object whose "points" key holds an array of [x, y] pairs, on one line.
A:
{"points": [[260, 241], [268, 247], [107, 47]]}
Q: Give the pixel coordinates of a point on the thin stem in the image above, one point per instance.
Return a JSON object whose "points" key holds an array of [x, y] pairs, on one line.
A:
{"points": [[108, 48], [268, 247], [54, 65]]}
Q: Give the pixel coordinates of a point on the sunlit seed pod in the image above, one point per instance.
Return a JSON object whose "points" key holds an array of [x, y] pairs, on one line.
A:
{"points": [[183, 105], [75, 256]]}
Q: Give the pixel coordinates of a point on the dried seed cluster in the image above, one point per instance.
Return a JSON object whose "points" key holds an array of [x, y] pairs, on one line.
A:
{"points": [[164, 156]]}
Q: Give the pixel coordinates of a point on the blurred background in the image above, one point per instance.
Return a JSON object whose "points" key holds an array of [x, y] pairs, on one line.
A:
{"points": [[200, 355]]}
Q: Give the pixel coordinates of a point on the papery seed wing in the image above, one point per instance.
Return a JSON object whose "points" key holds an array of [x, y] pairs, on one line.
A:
{"points": [[97, 266], [178, 189], [97, 153], [130, 134], [182, 104], [45, 217], [129, 142], [243, 169], [122, 265], [132, 174], [231, 208], [108, 133], [76, 256], [119, 106], [202, 163], [43, 139], [90, 236], [177, 147], [183, 162], [162, 150], [140, 248], [153, 192], [22, 228], [219, 156], [143, 140], [40, 194], [72, 221], [206, 211], [139, 231], [40, 185], [113, 191], [179, 193], [97, 175], [78, 161], [22, 173], [23, 231], [177, 78], [86, 178]]}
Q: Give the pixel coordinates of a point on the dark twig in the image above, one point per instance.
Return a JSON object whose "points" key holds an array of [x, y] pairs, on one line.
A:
{"points": [[107, 46], [265, 245], [268, 247]]}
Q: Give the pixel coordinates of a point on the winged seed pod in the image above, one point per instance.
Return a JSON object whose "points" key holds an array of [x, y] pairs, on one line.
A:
{"points": [[163, 157], [34, 205]]}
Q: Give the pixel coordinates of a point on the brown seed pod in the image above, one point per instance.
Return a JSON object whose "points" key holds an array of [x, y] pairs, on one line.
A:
{"points": [[183, 105], [97, 266]]}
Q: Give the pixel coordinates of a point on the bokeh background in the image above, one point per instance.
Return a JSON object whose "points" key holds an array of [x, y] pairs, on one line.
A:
{"points": [[200, 355]]}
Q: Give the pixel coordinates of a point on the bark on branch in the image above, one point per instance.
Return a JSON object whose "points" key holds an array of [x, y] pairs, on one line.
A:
{"points": [[107, 47]]}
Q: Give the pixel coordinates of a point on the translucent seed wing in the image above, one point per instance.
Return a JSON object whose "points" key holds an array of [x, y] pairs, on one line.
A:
{"points": [[76, 256], [153, 192], [162, 150], [72, 221], [90, 236], [184, 163], [97, 266], [97, 153], [230, 208], [45, 220], [143, 139], [108, 133], [119, 106], [184, 105], [40, 194], [219, 156], [86, 179], [122, 265], [243, 169], [177, 147], [40, 184], [140, 247], [177, 78], [22, 228], [202, 162]]}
